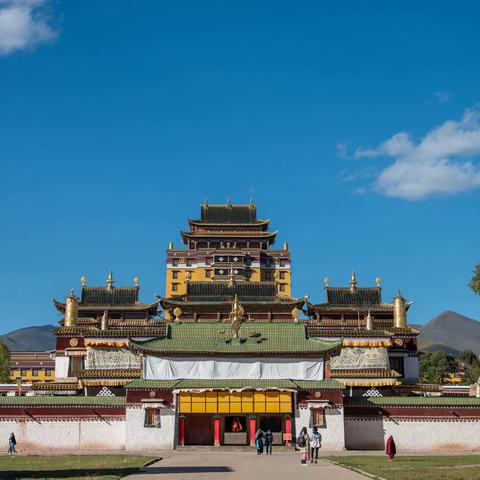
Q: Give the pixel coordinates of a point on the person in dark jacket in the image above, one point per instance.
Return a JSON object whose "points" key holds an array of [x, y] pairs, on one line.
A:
{"points": [[268, 441], [259, 441], [12, 441]]}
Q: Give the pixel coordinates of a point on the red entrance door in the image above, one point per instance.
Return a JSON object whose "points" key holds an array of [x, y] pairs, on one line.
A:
{"points": [[198, 430]]}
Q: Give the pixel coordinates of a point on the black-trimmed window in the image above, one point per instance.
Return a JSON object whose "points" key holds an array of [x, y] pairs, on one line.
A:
{"points": [[317, 418], [152, 418]]}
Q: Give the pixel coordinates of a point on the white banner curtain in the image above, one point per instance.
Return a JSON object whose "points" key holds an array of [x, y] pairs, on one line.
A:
{"points": [[173, 368]]}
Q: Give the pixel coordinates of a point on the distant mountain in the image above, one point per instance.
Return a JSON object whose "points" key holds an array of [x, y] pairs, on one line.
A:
{"points": [[30, 339], [451, 332]]}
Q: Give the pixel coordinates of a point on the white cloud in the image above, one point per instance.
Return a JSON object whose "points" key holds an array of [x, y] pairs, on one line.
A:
{"points": [[23, 25], [437, 165], [442, 97]]}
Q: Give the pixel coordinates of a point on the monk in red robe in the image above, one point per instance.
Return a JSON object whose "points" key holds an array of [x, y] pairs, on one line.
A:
{"points": [[391, 448]]}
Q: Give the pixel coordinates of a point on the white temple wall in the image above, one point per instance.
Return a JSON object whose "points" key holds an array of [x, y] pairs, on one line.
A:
{"points": [[413, 434], [65, 435], [139, 437], [333, 438]]}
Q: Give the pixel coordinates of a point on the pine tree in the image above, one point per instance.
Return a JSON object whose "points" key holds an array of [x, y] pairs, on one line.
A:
{"points": [[475, 281], [4, 363]]}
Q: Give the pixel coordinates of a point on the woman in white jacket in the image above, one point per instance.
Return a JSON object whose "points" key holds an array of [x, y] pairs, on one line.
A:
{"points": [[315, 440]]}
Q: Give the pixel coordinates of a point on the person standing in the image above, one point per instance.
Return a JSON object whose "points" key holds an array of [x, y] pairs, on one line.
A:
{"points": [[259, 441], [269, 441], [12, 441], [314, 445], [391, 448], [303, 443]]}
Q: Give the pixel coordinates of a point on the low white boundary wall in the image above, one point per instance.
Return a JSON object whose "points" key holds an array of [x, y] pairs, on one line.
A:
{"points": [[413, 434], [68, 434]]}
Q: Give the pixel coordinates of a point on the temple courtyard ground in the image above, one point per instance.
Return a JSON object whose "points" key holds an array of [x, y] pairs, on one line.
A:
{"points": [[232, 465]]}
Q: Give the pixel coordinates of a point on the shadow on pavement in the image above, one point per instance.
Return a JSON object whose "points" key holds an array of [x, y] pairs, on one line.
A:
{"points": [[186, 469]]}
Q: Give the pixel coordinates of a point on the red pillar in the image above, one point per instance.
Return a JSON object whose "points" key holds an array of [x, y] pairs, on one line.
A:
{"points": [[181, 431], [288, 431], [253, 430], [216, 431]]}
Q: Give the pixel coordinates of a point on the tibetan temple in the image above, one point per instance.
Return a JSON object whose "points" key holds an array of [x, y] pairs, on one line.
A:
{"points": [[228, 350]]}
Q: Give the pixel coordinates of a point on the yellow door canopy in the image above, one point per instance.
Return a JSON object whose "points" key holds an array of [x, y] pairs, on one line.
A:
{"points": [[237, 402]]}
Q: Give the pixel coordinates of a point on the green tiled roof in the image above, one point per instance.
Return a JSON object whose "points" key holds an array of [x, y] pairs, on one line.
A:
{"points": [[415, 401], [327, 384], [255, 383], [63, 401], [266, 338], [141, 383]]}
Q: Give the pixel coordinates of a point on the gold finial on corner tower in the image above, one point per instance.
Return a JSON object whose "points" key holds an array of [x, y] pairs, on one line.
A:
{"points": [[83, 280], [353, 282], [136, 281], [326, 281], [170, 245], [399, 311], [378, 282], [110, 280], [71, 309], [285, 246]]}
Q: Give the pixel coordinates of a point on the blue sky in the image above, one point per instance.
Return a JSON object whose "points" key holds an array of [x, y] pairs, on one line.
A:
{"points": [[355, 129]]}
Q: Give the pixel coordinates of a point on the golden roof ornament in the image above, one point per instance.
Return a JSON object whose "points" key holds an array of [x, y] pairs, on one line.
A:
{"points": [[295, 314], [353, 282], [136, 281], [177, 311], [110, 280], [326, 281], [285, 245], [83, 280], [236, 316], [399, 311], [378, 281], [170, 245], [71, 309]]}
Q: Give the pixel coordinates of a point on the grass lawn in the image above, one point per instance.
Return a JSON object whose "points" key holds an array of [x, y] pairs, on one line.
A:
{"points": [[94, 467], [448, 467]]}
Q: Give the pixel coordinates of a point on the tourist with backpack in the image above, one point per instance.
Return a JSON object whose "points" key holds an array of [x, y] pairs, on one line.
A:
{"points": [[303, 443], [315, 440], [12, 441]]}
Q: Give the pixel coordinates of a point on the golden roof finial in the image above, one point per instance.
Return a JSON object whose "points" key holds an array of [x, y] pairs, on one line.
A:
{"points": [[353, 281], [136, 281], [83, 280], [71, 309], [110, 280], [399, 311], [170, 245], [326, 280], [285, 245], [378, 281]]}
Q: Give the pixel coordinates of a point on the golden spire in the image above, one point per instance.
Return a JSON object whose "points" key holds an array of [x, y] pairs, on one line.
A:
{"points": [[110, 280], [170, 245], [353, 282], [285, 245], [71, 309], [136, 281], [378, 281], [83, 280], [399, 311], [326, 280]]}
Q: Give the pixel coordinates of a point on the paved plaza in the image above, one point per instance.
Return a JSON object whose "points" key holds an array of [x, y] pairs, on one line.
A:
{"points": [[240, 465]]}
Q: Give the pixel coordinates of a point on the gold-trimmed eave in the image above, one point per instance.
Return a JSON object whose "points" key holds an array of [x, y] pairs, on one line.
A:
{"points": [[111, 333], [229, 234], [105, 382], [147, 307], [199, 223], [384, 382], [364, 373]]}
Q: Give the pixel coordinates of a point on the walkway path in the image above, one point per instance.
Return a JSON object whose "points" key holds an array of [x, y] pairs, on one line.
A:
{"points": [[240, 465]]}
